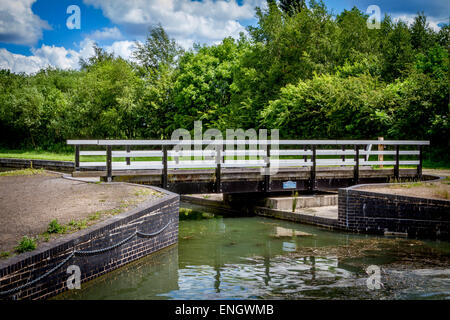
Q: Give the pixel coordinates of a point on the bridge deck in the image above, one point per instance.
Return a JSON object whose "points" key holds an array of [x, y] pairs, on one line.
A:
{"points": [[251, 180]]}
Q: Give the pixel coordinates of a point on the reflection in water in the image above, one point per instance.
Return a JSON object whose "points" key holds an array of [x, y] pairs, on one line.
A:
{"points": [[253, 258]]}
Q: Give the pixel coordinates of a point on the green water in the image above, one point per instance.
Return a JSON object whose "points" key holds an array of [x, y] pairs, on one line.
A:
{"points": [[254, 258]]}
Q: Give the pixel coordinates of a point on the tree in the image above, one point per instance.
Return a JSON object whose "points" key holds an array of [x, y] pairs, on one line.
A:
{"points": [[100, 55], [202, 90], [398, 53], [157, 50], [421, 34], [354, 36], [291, 7], [443, 37]]}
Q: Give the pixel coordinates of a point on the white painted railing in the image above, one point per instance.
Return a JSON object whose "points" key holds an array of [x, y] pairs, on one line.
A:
{"points": [[187, 154]]}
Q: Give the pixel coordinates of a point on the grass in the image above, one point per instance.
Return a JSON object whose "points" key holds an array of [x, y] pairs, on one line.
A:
{"points": [[438, 189], [142, 192], [33, 154], [23, 172], [76, 225], [428, 164], [96, 216]]}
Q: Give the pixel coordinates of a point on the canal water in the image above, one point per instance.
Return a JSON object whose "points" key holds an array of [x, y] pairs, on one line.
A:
{"points": [[262, 258]]}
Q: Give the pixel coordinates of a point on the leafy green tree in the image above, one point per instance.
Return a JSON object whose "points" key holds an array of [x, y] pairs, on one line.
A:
{"points": [[354, 38], [328, 107], [421, 34], [104, 103], [157, 50], [291, 7], [99, 56], [443, 36], [202, 89], [398, 52]]}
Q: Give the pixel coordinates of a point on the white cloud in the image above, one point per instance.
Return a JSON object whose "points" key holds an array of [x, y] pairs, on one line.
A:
{"points": [[106, 34], [18, 23], [409, 19], [41, 58], [58, 57], [122, 49], [185, 20]]}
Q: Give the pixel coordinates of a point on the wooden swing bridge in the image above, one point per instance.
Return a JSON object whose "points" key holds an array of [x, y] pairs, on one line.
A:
{"points": [[247, 166]]}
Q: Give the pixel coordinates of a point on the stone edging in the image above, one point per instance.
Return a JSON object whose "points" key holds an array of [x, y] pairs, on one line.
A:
{"points": [[37, 164]]}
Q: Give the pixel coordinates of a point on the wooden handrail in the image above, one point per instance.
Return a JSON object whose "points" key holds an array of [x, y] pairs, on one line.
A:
{"points": [[271, 151], [243, 142]]}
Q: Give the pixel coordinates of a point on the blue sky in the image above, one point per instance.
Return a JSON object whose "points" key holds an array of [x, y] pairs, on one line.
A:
{"points": [[33, 33]]}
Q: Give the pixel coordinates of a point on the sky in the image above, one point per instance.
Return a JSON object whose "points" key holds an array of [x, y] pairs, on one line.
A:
{"points": [[35, 34]]}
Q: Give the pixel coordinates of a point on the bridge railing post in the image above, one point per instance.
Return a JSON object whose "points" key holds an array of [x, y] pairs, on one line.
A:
{"points": [[109, 163], [77, 157], [218, 186], [267, 173], [312, 183], [397, 163], [419, 166], [165, 166], [356, 167], [128, 158]]}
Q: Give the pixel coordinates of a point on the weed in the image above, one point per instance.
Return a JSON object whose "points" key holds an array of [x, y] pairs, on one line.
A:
{"points": [[78, 225], [5, 254], [442, 193], [95, 216], [142, 192], [55, 227], [45, 236], [26, 244]]}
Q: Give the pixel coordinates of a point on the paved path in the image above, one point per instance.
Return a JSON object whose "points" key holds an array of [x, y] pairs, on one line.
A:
{"points": [[29, 203]]}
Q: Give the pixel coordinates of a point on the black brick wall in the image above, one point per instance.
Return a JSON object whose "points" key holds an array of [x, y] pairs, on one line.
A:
{"points": [[147, 218], [365, 211]]}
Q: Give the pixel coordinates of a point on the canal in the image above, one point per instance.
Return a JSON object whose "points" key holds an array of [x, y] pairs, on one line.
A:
{"points": [[262, 258]]}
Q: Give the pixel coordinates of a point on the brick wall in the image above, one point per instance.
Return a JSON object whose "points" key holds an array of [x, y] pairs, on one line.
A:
{"points": [[365, 211], [149, 217]]}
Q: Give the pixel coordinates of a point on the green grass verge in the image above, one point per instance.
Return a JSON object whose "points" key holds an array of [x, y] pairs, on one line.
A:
{"points": [[33, 154], [427, 164], [23, 172]]}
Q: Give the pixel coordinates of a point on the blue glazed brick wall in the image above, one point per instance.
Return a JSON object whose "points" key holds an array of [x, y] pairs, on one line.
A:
{"points": [[365, 211], [147, 218]]}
